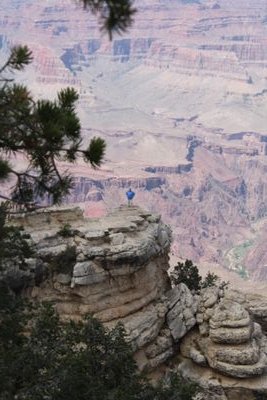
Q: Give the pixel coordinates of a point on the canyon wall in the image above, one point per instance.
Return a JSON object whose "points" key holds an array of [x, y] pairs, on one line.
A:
{"points": [[181, 102]]}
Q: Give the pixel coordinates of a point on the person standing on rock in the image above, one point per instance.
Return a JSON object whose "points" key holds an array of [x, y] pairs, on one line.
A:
{"points": [[130, 195]]}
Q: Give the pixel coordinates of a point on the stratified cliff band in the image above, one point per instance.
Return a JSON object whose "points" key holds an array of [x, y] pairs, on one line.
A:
{"points": [[116, 269]]}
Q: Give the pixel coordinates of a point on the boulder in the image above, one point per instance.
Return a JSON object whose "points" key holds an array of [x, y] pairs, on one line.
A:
{"points": [[182, 309]]}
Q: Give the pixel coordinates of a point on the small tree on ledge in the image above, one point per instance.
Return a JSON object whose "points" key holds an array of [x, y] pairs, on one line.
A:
{"points": [[188, 274]]}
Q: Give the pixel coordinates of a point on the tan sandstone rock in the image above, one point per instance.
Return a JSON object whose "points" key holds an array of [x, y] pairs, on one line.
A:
{"points": [[228, 341], [119, 272]]}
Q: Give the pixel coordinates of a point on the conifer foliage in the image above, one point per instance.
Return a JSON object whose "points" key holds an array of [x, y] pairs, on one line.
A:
{"points": [[188, 274], [14, 244], [115, 15], [71, 360], [43, 133]]}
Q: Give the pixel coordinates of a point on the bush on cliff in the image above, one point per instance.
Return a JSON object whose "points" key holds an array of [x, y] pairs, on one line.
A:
{"points": [[188, 274], [44, 358], [210, 279]]}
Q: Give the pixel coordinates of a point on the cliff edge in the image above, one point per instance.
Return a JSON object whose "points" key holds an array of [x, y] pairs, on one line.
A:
{"points": [[116, 268]]}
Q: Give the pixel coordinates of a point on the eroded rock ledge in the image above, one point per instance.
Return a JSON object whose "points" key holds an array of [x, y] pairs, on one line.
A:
{"points": [[113, 267], [116, 265], [116, 268]]}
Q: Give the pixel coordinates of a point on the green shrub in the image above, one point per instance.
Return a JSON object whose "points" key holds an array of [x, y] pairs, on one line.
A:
{"points": [[210, 279], [83, 360], [188, 274], [14, 242], [65, 231]]}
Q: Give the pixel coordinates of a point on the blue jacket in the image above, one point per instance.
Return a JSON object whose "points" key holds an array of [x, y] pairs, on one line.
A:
{"points": [[130, 194]]}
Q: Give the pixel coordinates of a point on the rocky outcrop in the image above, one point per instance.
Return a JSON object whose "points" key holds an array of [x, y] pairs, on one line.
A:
{"points": [[216, 386], [256, 304], [182, 310], [116, 267], [228, 341]]}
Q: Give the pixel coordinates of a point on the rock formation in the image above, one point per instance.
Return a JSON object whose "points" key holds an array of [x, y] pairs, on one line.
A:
{"points": [[227, 351], [116, 269], [227, 339]]}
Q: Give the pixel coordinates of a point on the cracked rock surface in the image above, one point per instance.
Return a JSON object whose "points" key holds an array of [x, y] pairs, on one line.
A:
{"points": [[113, 267], [227, 339]]}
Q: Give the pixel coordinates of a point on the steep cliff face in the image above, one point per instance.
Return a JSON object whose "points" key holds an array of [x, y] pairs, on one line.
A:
{"points": [[116, 269]]}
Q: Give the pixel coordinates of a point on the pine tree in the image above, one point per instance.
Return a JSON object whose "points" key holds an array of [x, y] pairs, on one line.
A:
{"points": [[115, 15], [44, 132], [188, 274]]}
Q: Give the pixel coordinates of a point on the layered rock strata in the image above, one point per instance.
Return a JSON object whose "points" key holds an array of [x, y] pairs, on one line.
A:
{"points": [[256, 305], [227, 339], [116, 265], [116, 269]]}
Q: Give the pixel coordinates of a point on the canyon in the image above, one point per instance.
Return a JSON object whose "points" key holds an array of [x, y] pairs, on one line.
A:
{"points": [[181, 102]]}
